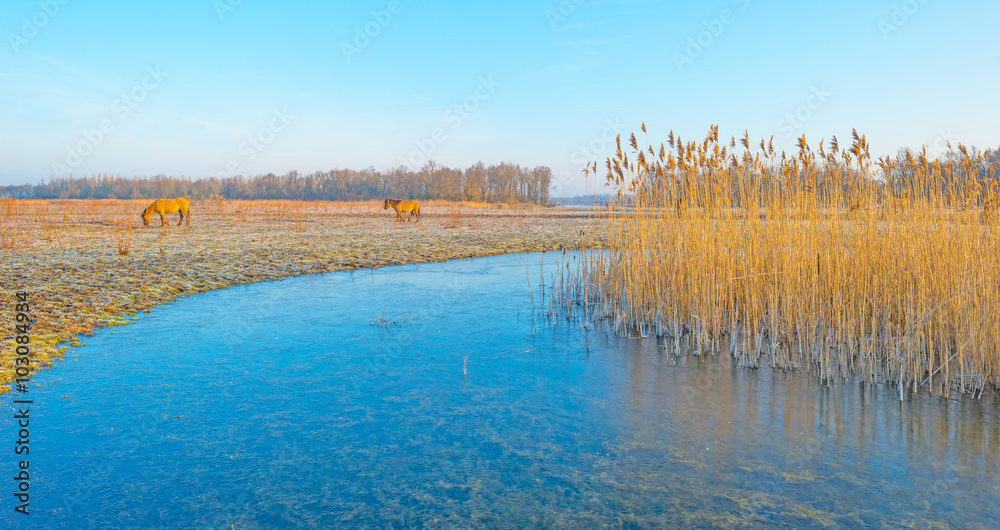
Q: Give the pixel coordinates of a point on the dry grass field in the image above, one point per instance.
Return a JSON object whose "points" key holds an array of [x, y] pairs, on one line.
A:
{"points": [[88, 264]]}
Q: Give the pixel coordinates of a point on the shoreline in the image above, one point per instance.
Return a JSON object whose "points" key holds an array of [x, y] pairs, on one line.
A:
{"points": [[65, 254]]}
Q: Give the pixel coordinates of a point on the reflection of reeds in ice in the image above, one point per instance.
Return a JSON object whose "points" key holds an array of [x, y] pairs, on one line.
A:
{"points": [[821, 261]]}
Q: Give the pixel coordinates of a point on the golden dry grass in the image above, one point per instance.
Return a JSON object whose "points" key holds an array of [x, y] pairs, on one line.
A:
{"points": [[90, 264], [823, 261]]}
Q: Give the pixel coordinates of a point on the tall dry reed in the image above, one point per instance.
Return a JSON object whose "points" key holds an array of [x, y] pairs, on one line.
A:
{"points": [[884, 272], [124, 230]]}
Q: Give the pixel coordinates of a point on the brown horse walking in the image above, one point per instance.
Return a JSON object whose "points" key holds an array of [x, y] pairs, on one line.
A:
{"points": [[165, 206], [401, 207]]}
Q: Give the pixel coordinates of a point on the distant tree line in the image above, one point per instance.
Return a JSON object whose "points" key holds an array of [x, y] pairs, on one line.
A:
{"points": [[481, 183], [588, 200]]}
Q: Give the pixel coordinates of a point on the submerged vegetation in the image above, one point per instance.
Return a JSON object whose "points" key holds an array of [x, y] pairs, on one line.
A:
{"points": [[882, 271]]}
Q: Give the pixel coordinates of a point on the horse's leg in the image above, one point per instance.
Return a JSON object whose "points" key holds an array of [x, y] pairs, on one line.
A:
{"points": [[163, 220], [187, 216], [399, 215], [181, 220]]}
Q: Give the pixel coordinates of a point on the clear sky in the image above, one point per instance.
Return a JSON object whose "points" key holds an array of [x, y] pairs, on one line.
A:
{"points": [[178, 87]]}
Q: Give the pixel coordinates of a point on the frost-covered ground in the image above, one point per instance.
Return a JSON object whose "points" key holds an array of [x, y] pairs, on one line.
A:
{"points": [[66, 254]]}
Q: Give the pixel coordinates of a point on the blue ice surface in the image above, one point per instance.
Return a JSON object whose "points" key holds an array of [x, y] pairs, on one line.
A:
{"points": [[447, 395]]}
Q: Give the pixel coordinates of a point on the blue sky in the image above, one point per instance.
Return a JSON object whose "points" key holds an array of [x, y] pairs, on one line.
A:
{"points": [[179, 87]]}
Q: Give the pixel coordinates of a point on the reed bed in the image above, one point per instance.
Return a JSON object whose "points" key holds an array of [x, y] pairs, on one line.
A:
{"points": [[883, 272]]}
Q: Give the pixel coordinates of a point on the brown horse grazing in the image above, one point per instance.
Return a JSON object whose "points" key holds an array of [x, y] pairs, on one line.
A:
{"points": [[165, 206], [401, 207]]}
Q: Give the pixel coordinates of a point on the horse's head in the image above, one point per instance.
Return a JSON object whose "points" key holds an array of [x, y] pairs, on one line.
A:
{"points": [[386, 205], [146, 214]]}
